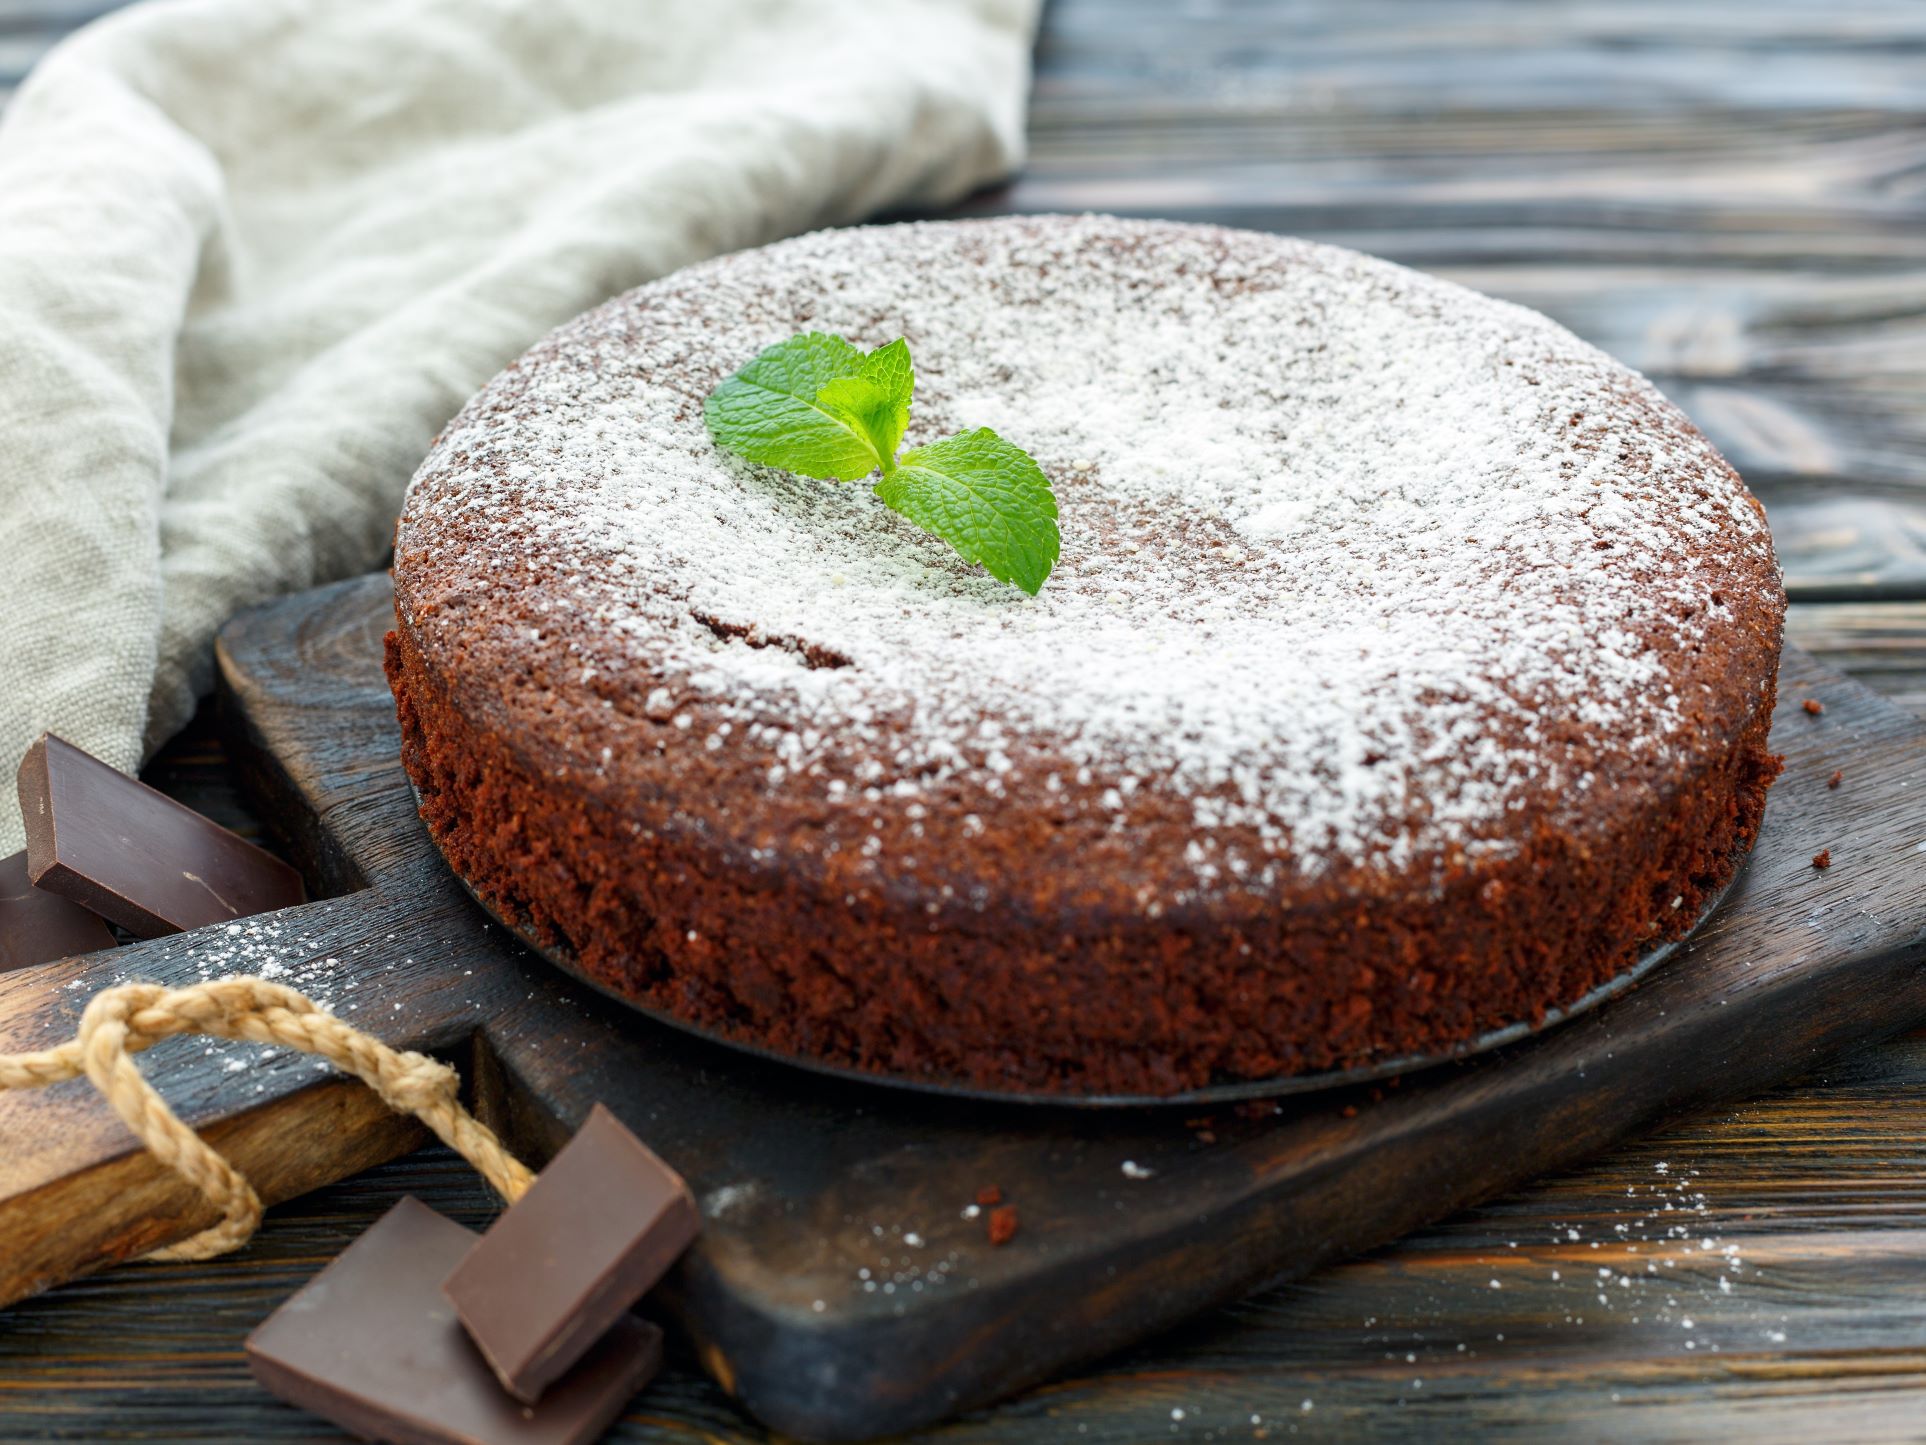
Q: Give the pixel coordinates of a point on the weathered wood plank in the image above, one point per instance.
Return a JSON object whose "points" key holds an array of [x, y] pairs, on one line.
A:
{"points": [[1822, 1189], [1731, 197], [798, 1174], [1727, 196], [1882, 645], [1835, 1161]]}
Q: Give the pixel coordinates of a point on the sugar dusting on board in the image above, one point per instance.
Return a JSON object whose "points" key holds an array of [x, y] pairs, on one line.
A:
{"points": [[1353, 560]]}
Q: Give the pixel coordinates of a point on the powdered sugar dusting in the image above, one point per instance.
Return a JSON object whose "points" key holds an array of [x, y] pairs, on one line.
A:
{"points": [[1355, 562]]}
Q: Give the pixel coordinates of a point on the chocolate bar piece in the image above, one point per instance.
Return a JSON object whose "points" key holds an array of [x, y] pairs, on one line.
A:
{"points": [[37, 926], [593, 1234], [135, 856], [371, 1345]]}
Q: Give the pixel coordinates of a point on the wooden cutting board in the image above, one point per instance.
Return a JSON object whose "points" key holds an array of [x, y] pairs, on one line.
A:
{"points": [[839, 1290]]}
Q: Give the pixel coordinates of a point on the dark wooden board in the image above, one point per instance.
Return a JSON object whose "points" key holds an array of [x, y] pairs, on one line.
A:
{"points": [[807, 1182], [1822, 1186]]}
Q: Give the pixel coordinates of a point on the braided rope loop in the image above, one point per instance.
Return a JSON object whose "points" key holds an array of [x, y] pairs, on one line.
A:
{"points": [[119, 1023]]}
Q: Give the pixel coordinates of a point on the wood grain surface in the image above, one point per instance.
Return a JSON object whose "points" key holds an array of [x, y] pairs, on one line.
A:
{"points": [[1726, 194], [841, 1288]]}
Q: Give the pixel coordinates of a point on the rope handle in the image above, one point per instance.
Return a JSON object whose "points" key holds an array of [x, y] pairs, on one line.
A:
{"points": [[120, 1022]]}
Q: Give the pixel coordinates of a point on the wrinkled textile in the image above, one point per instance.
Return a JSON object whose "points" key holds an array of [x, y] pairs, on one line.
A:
{"points": [[253, 253]]}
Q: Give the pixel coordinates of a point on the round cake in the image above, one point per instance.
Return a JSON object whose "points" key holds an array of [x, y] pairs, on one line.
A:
{"points": [[1406, 672]]}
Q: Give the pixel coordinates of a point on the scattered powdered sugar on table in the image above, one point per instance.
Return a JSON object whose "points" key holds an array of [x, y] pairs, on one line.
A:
{"points": [[1668, 1264], [1354, 560]]}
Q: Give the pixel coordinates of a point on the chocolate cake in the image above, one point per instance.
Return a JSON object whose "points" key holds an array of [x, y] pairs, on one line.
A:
{"points": [[1406, 672]]}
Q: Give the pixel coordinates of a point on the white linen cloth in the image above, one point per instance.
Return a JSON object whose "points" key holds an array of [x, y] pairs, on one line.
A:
{"points": [[253, 253]]}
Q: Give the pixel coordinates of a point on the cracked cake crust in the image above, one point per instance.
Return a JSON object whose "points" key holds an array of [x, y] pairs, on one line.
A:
{"points": [[1407, 672]]}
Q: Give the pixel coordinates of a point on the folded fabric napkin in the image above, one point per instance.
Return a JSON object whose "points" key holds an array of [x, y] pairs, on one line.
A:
{"points": [[253, 253]]}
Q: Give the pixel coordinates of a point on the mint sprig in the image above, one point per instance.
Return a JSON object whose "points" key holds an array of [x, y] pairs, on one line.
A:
{"points": [[819, 407]]}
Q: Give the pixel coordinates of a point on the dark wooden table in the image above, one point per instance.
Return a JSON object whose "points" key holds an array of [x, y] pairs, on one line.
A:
{"points": [[1730, 196]]}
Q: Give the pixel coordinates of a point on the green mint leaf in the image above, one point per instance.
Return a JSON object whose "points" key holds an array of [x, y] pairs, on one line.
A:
{"points": [[817, 406], [875, 403], [986, 498], [889, 368], [869, 411], [771, 411]]}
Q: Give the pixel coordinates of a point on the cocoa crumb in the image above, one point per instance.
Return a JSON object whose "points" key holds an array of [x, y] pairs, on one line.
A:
{"points": [[1813, 706], [989, 1194], [1350, 1111], [1003, 1224], [1822, 860], [1833, 781]]}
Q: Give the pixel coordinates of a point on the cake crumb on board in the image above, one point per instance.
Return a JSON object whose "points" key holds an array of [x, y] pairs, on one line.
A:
{"points": [[1003, 1224]]}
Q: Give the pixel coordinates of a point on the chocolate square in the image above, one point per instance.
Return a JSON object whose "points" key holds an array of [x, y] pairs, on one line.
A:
{"points": [[593, 1234], [37, 926], [372, 1345], [135, 856]]}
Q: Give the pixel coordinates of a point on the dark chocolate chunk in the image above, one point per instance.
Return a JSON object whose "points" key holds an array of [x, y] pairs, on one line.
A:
{"points": [[372, 1345], [37, 926], [593, 1234], [135, 856]]}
